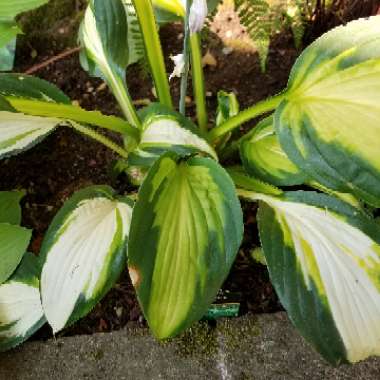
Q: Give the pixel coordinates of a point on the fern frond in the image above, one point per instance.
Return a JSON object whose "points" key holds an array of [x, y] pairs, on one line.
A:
{"points": [[255, 15]]}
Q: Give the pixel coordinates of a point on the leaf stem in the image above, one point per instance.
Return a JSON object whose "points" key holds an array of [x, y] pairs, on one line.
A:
{"points": [[198, 81], [186, 56], [75, 113], [153, 49], [246, 115], [100, 138], [121, 93]]}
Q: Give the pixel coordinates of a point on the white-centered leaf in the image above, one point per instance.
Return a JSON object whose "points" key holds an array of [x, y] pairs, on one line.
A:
{"points": [[323, 256], [168, 132], [84, 253], [21, 311], [163, 131], [19, 132]]}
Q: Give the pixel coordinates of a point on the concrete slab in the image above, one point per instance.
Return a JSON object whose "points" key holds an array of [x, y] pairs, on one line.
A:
{"points": [[251, 347]]}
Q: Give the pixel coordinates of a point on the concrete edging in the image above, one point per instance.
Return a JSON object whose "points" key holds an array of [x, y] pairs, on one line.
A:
{"points": [[251, 347]]}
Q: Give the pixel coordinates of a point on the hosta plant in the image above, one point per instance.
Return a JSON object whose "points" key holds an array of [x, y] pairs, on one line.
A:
{"points": [[179, 236]]}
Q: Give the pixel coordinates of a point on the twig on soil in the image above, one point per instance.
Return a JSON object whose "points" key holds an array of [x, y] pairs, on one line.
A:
{"points": [[52, 60]]}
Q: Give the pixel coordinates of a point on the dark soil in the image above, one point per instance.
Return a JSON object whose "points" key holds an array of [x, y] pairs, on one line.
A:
{"points": [[66, 161]]}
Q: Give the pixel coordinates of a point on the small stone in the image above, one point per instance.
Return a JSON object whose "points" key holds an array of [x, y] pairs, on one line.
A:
{"points": [[209, 60], [227, 50], [119, 311]]}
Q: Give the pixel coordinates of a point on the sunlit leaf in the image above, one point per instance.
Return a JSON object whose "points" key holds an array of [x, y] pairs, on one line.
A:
{"points": [[263, 157], [185, 233], [329, 122]]}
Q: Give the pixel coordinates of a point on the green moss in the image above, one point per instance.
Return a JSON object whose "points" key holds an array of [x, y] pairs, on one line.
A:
{"points": [[199, 341], [235, 335]]}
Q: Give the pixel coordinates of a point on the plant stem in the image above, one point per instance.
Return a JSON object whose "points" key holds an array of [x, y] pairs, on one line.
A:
{"points": [[121, 93], [186, 51], [100, 138], [246, 115], [198, 81], [70, 112], [147, 21]]}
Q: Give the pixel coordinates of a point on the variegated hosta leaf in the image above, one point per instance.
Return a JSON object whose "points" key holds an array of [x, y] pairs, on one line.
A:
{"points": [[169, 132], [104, 36], [84, 253], [185, 232], [136, 49], [29, 87], [323, 257], [21, 313], [19, 132], [263, 157], [10, 210], [14, 241], [329, 122]]}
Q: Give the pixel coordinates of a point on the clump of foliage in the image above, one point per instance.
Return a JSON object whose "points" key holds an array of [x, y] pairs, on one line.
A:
{"points": [[180, 235]]}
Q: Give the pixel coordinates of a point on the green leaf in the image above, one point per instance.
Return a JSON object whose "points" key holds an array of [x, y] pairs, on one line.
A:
{"points": [[263, 157], [244, 182], [329, 122], [29, 87], [10, 9], [7, 56], [165, 130], [8, 31], [228, 106], [14, 242], [10, 210], [323, 257], [21, 313], [185, 233], [83, 253], [19, 132]]}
